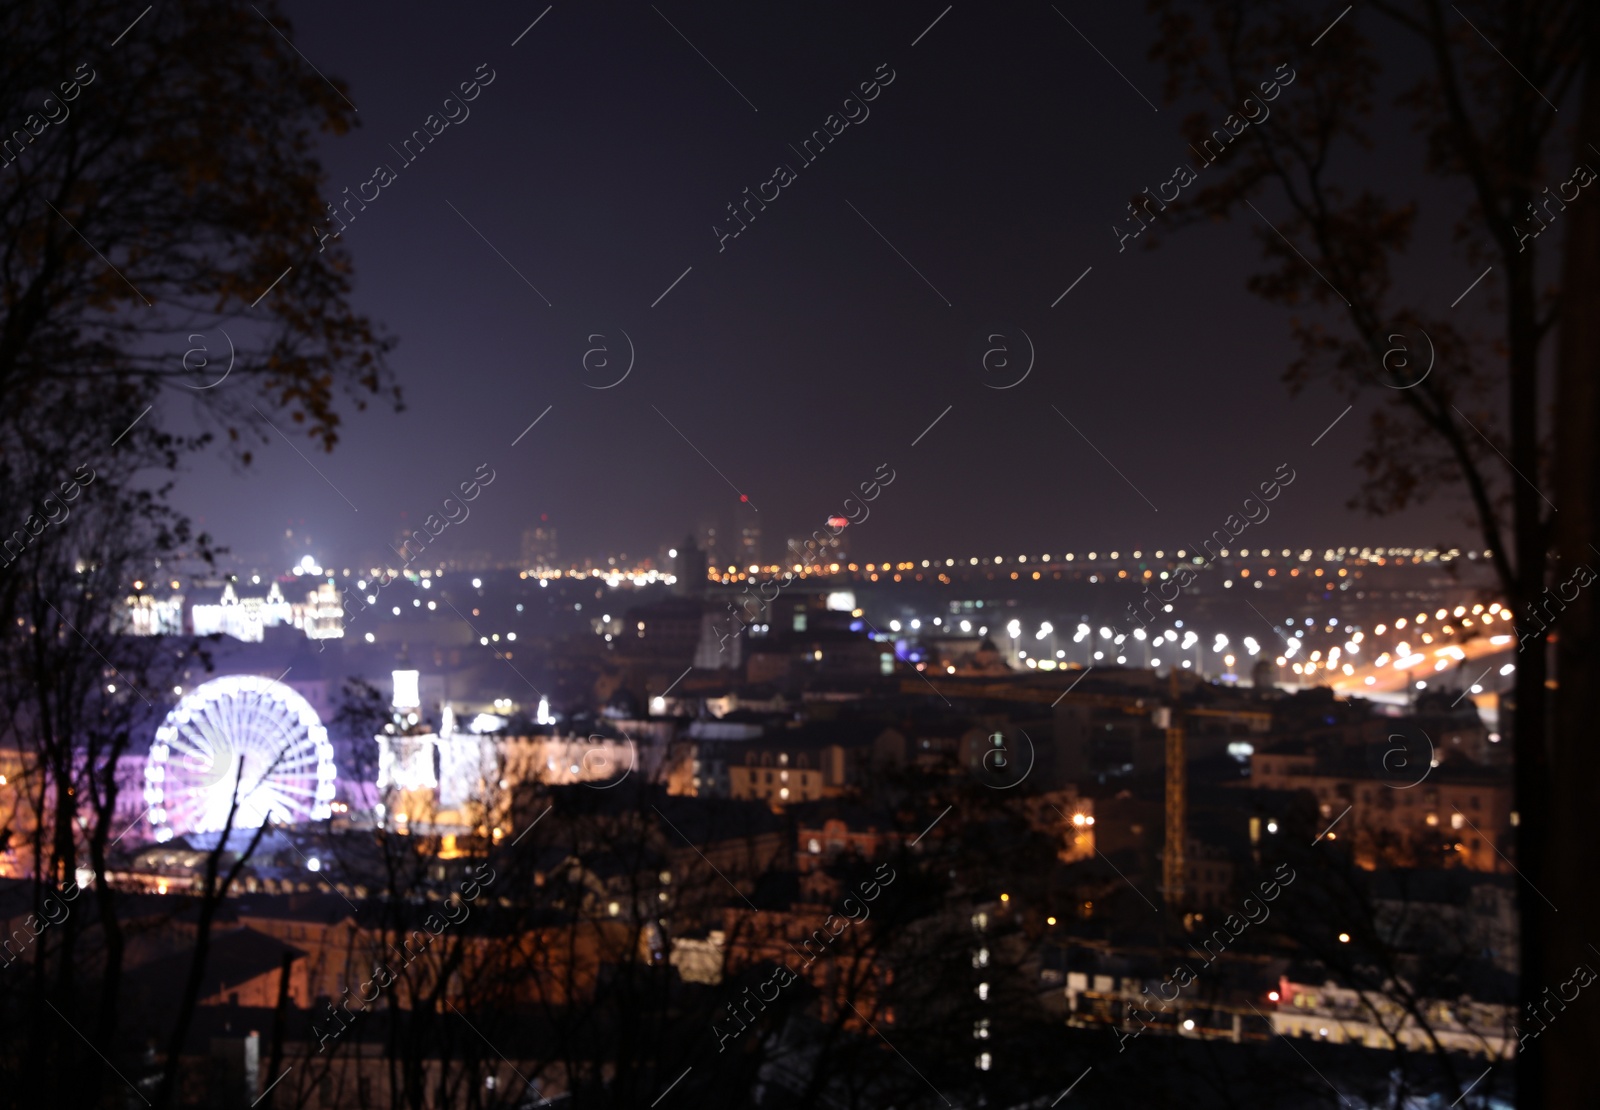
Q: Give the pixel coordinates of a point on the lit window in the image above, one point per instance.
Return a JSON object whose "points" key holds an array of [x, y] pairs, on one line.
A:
{"points": [[983, 992], [814, 846], [981, 958], [984, 1061], [980, 1029]]}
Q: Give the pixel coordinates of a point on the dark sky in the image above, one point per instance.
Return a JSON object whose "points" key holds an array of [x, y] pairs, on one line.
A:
{"points": [[808, 351]]}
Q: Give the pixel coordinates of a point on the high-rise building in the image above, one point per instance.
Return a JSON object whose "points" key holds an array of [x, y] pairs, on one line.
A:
{"points": [[690, 569], [539, 545], [750, 545], [823, 546], [841, 542]]}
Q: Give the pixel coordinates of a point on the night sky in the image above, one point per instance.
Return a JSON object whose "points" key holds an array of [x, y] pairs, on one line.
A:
{"points": [[808, 351]]}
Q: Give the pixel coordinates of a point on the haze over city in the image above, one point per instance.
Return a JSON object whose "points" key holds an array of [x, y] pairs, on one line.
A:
{"points": [[610, 556]]}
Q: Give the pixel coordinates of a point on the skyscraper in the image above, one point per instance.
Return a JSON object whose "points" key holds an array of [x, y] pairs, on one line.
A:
{"points": [[690, 569], [750, 546], [539, 545]]}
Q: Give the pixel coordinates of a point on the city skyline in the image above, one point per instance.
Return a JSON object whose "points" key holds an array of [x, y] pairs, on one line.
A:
{"points": [[601, 556], [734, 386]]}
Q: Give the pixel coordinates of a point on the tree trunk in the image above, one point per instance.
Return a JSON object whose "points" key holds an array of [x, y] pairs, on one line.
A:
{"points": [[1530, 723], [1567, 1061], [279, 1013], [1533, 837]]}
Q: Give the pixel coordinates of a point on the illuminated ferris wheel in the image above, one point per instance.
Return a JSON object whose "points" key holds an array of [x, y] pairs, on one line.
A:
{"points": [[244, 734]]}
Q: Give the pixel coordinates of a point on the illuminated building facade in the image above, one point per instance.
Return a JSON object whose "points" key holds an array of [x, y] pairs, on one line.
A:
{"points": [[322, 615], [150, 616], [242, 618]]}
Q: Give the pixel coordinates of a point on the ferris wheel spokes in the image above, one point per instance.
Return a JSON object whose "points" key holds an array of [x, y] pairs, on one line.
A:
{"points": [[246, 745]]}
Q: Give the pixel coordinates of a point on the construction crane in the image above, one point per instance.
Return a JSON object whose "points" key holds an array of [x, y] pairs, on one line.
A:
{"points": [[1169, 717]]}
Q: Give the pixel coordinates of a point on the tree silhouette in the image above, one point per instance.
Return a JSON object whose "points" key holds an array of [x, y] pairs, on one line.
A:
{"points": [[1456, 396], [158, 183]]}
